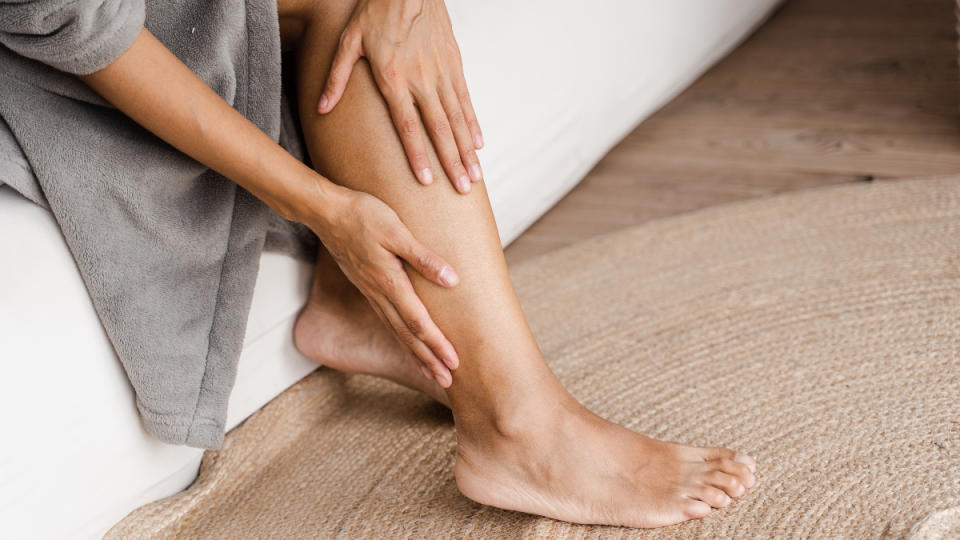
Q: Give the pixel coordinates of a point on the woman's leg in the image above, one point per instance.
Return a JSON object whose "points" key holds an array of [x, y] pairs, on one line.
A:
{"points": [[523, 442], [339, 329]]}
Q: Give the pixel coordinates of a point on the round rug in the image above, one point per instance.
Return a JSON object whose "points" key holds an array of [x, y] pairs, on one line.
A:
{"points": [[817, 331]]}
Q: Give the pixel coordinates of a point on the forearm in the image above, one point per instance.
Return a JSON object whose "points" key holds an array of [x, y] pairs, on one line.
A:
{"points": [[153, 87]]}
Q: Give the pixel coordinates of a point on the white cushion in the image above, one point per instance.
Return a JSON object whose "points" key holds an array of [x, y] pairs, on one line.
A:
{"points": [[555, 84]]}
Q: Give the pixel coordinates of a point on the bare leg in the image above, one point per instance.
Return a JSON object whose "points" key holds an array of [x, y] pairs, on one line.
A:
{"points": [[523, 442], [338, 329]]}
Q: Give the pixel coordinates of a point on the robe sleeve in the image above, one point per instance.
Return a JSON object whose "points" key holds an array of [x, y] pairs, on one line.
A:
{"points": [[75, 36]]}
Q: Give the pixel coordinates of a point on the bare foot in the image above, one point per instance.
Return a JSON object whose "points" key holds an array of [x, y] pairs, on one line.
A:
{"points": [[580, 468], [559, 461], [339, 329]]}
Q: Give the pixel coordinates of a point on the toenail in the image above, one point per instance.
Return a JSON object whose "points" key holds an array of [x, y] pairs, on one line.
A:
{"points": [[746, 460]]}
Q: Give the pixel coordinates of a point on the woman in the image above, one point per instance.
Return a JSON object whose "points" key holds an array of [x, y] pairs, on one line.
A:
{"points": [[412, 284]]}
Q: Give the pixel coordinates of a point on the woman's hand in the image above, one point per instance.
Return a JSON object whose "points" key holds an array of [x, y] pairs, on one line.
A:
{"points": [[370, 243], [363, 234], [416, 63]]}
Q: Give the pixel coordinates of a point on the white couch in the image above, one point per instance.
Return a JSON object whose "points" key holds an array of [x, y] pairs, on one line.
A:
{"points": [[556, 85]]}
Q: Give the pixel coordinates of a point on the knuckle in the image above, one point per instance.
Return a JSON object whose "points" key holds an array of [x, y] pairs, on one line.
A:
{"points": [[417, 327], [419, 157], [408, 126], [405, 336], [396, 237], [391, 72], [427, 262], [420, 72], [441, 127], [389, 283], [352, 36], [458, 118], [346, 36]]}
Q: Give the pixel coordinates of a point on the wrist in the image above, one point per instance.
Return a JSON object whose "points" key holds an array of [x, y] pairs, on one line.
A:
{"points": [[318, 203]]}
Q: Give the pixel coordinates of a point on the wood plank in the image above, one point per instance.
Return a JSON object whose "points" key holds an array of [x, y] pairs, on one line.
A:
{"points": [[826, 92]]}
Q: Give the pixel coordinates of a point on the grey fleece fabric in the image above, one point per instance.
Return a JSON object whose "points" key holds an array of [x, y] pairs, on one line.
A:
{"points": [[168, 249]]}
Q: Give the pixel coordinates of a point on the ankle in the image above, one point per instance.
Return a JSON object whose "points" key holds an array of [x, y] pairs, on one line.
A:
{"points": [[515, 417]]}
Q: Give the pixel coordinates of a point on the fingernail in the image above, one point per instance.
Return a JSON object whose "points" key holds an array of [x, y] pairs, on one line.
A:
{"points": [[426, 373], [746, 460], [464, 183], [452, 362], [323, 103], [478, 141], [444, 379], [475, 173], [426, 176], [449, 277]]}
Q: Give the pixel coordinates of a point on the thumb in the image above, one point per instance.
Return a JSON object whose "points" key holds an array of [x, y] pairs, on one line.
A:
{"points": [[426, 262], [348, 52]]}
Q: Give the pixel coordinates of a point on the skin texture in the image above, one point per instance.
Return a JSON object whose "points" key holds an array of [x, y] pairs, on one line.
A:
{"points": [[416, 63], [524, 443], [339, 329], [365, 236]]}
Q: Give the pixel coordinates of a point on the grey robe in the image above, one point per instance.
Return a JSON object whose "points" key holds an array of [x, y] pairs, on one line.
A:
{"points": [[167, 248]]}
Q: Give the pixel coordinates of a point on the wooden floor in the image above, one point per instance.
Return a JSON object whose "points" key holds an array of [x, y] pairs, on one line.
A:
{"points": [[825, 92]]}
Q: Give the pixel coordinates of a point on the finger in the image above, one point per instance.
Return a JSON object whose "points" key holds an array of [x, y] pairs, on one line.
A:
{"points": [[348, 52], [422, 259], [466, 104], [406, 336], [399, 291], [426, 372], [461, 133], [413, 357], [438, 125], [407, 121]]}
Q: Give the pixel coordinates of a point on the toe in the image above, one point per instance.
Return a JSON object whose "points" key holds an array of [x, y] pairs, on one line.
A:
{"points": [[713, 496], [695, 509], [726, 453], [734, 468], [718, 453], [746, 460], [728, 483]]}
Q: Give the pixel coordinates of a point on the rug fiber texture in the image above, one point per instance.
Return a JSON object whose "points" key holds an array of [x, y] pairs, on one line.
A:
{"points": [[818, 331]]}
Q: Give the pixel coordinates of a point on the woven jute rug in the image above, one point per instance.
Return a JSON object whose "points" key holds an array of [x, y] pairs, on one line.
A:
{"points": [[818, 331]]}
